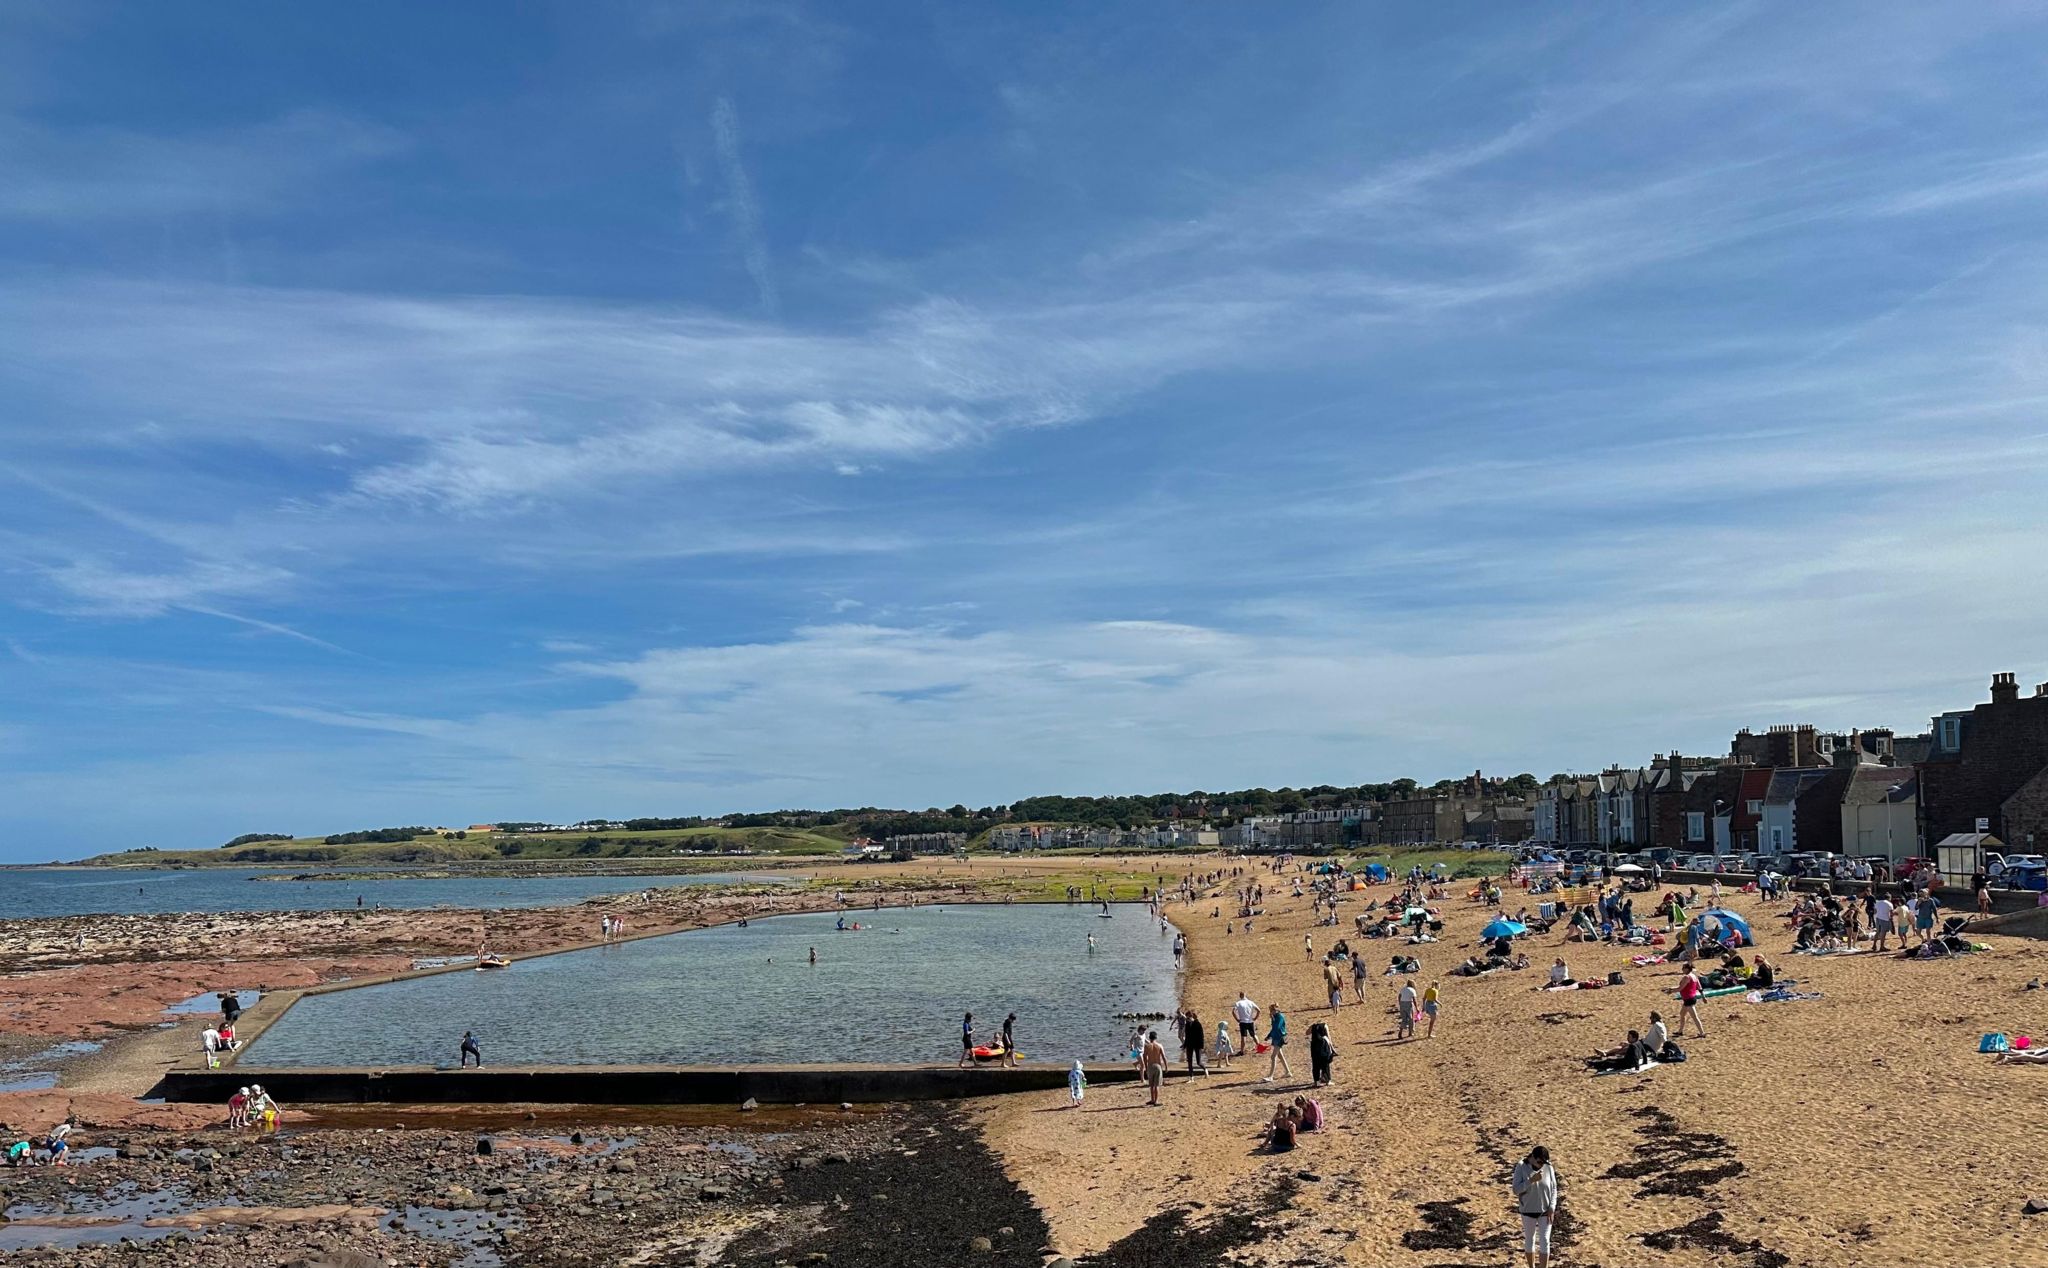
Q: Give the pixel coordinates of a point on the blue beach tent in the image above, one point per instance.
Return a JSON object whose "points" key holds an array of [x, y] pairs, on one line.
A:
{"points": [[1376, 871], [1729, 920]]}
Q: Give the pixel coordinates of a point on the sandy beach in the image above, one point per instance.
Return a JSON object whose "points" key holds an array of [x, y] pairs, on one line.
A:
{"points": [[1801, 1132]]}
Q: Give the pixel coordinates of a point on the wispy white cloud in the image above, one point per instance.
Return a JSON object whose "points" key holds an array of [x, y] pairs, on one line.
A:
{"points": [[96, 589], [91, 174], [741, 203]]}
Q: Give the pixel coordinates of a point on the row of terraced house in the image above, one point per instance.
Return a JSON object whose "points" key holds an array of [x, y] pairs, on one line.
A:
{"points": [[1795, 788]]}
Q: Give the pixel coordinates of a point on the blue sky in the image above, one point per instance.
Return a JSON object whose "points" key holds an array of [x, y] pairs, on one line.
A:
{"points": [[440, 413]]}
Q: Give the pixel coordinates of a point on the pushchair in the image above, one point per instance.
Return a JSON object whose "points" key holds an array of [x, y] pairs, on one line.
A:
{"points": [[1950, 940]]}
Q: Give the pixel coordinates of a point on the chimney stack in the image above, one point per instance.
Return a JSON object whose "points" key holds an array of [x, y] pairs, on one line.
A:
{"points": [[2041, 689], [2005, 688]]}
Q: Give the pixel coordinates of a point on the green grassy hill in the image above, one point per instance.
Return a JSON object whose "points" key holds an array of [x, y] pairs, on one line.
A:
{"points": [[495, 847]]}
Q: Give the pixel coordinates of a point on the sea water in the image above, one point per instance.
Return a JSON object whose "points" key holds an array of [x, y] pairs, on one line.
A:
{"points": [[74, 891]]}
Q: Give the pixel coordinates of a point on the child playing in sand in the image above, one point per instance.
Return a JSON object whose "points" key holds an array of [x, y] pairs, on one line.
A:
{"points": [[1077, 1086], [1280, 1132]]}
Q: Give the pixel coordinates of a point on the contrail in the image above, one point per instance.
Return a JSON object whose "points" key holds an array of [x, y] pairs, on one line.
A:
{"points": [[746, 212], [271, 627]]}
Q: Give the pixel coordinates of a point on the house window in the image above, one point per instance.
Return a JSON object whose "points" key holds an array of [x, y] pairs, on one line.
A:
{"points": [[1951, 734], [1756, 807], [1777, 840], [1695, 825]]}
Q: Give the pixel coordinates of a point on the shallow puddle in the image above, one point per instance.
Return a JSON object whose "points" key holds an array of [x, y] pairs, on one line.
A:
{"points": [[476, 1232], [91, 1222], [38, 1070]]}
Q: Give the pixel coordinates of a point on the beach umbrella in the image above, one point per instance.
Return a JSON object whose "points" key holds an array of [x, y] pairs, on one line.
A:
{"points": [[1503, 929], [1628, 867]]}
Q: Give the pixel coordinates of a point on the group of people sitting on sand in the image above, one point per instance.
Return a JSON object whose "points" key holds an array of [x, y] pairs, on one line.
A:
{"points": [[1641, 1048], [1291, 1119]]}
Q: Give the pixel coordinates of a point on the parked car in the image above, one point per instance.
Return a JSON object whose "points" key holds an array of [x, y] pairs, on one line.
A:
{"points": [[1696, 862], [2027, 875]]}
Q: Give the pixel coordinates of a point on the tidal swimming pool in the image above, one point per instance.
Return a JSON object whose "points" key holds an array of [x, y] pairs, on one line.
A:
{"points": [[893, 992]]}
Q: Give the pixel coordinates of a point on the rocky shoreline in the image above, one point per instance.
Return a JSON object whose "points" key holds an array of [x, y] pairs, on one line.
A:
{"points": [[911, 1186]]}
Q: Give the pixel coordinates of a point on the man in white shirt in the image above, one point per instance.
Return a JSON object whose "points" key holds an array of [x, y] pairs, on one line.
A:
{"points": [[1247, 1014], [1881, 921], [1656, 1036]]}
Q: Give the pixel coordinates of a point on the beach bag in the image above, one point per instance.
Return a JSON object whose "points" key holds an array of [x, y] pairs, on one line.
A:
{"points": [[2022, 1043], [1993, 1043], [1672, 1054], [1614, 977]]}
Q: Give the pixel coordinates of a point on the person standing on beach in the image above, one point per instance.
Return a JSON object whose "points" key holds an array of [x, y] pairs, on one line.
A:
{"points": [[1152, 1063], [1689, 1003], [1924, 909], [1535, 1188], [1276, 1034], [1358, 976], [1010, 1039], [1322, 1052], [1404, 1009], [1222, 1053], [1308, 947], [1432, 1002], [1247, 1015], [469, 1049], [1880, 921], [967, 1040], [1193, 1035]]}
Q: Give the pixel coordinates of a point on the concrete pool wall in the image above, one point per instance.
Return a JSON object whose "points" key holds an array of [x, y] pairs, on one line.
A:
{"points": [[632, 1085]]}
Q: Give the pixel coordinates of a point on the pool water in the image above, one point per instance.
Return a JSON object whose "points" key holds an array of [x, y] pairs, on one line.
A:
{"points": [[731, 995]]}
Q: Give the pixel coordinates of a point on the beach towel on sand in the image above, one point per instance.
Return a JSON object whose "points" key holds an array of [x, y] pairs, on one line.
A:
{"points": [[1778, 995], [1644, 1068]]}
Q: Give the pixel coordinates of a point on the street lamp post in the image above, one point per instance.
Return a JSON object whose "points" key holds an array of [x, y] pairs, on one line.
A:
{"points": [[1889, 793]]}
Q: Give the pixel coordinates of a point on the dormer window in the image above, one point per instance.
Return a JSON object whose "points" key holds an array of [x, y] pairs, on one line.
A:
{"points": [[1951, 734]]}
